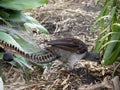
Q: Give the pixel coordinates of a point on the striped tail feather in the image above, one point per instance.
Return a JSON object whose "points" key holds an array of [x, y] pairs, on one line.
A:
{"points": [[33, 57]]}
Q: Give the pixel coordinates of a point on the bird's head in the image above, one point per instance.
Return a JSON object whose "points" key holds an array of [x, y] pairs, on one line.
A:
{"points": [[93, 56]]}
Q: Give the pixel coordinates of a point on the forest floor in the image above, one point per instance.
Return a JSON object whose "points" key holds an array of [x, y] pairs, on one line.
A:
{"points": [[72, 18]]}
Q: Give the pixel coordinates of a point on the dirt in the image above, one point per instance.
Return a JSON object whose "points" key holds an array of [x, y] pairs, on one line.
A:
{"points": [[69, 19], [73, 18]]}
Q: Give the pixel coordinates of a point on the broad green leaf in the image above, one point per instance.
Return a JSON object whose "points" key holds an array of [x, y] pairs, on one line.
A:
{"points": [[30, 19], [16, 16], [112, 57], [19, 43], [22, 61], [18, 33], [7, 23], [22, 38], [26, 45], [37, 27], [30, 23], [7, 38], [33, 24], [4, 13], [21, 4], [116, 27], [111, 46]]}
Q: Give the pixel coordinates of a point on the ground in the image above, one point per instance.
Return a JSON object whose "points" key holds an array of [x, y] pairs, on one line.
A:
{"points": [[73, 18]]}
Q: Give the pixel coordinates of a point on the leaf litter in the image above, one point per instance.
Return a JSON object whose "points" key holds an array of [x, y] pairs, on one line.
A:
{"points": [[65, 18]]}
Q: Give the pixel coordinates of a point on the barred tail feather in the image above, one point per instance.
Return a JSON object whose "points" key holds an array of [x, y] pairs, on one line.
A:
{"points": [[33, 57]]}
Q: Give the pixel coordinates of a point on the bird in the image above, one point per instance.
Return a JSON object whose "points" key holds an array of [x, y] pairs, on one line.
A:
{"points": [[67, 50], [71, 50]]}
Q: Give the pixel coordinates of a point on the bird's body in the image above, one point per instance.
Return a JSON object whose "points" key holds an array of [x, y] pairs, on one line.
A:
{"points": [[68, 57], [72, 50]]}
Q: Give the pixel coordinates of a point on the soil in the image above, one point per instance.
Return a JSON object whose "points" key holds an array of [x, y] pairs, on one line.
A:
{"points": [[65, 18]]}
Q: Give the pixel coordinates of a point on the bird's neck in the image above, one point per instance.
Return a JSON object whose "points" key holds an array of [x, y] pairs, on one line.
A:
{"points": [[74, 58], [86, 55]]}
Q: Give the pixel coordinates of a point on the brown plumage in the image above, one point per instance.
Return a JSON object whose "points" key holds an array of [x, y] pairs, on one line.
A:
{"points": [[72, 50], [69, 44]]}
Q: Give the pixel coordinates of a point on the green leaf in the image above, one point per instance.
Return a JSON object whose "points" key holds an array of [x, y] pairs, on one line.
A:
{"points": [[7, 38], [29, 22], [103, 14], [37, 27], [3, 13], [7, 23], [33, 24], [19, 43], [108, 34], [100, 42], [111, 46], [16, 16], [104, 11], [110, 42], [30, 19], [22, 62], [112, 57], [113, 49], [116, 27], [101, 18], [21, 4], [26, 45], [112, 14]]}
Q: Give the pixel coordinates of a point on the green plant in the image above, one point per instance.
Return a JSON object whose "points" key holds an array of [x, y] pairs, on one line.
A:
{"points": [[108, 22], [13, 23]]}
